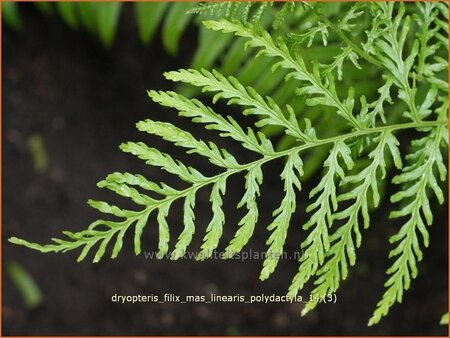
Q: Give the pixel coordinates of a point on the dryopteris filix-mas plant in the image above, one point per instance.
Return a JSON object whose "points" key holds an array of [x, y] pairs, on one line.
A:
{"points": [[406, 46]]}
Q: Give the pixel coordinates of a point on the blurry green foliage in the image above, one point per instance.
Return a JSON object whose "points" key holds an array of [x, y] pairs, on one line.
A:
{"points": [[25, 284]]}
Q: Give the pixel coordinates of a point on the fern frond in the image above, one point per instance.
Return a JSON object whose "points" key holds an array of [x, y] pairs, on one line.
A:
{"points": [[343, 26], [215, 8], [342, 251], [186, 235], [181, 138], [235, 93], [390, 47], [318, 91], [317, 243], [352, 134], [242, 11], [158, 159], [416, 179], [290, 175], [427, 17], [442, 23], [253, 179], [286, 8], [214, 229], [377, 106], [202, 114], [310, 34], [347, 53]]}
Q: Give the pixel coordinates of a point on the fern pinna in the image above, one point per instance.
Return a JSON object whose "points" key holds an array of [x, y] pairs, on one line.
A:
{"points": [[406, 46]]}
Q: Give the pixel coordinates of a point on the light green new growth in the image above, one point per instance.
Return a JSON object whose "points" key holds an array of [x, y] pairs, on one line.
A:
{"points": [[405, 45]]}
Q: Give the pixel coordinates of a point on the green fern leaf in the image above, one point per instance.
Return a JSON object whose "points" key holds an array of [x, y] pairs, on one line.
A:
{"points": [[342, 251], [318, 91], [353, 134], [318, 243], [417, 179]]}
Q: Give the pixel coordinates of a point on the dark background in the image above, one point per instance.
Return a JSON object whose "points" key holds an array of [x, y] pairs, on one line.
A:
{"points": [[84, 101]]}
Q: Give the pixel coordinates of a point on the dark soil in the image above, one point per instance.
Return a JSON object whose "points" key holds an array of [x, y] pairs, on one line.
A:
{"points": [[84, 101]]}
